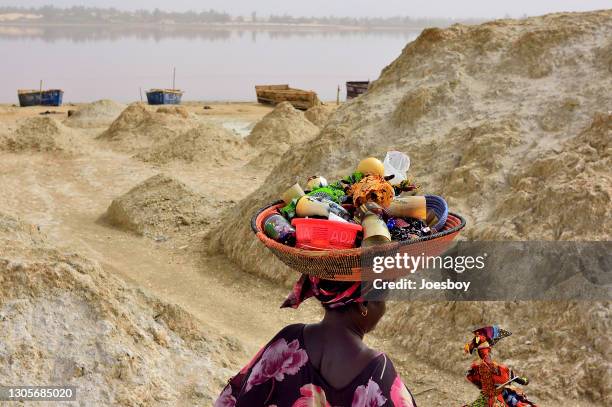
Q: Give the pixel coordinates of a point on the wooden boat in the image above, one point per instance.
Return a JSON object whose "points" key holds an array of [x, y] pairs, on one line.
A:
{"points": [[356, 88], [50, 97], [275, 94]]}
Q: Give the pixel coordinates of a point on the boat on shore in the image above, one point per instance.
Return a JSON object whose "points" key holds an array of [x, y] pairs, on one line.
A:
{"points": [[275, 94], [50, 97], [164, 96], [356, 88]]}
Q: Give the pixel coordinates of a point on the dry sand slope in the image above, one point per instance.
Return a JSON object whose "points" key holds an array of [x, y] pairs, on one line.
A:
{"points": [[139, 127], [39, 134], [66, 320], [510, 121], [159, 206], [277, 132], [98, 114]]}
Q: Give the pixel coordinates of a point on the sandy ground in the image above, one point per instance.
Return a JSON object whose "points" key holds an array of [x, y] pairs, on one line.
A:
{"points": [[66, 197]]}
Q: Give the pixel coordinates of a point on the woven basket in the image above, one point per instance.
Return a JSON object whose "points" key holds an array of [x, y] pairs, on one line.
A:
{"points": [[349, 264]]}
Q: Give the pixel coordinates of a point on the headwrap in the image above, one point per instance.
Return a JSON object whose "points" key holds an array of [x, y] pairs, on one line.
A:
{"points": [[486, 337], [332, 294]]}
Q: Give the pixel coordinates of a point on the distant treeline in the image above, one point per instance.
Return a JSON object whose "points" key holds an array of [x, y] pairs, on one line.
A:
{"points": [[92, 15]]}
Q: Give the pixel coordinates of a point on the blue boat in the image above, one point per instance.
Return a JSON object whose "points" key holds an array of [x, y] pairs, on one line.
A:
{"points": [[51, 97], [164, 96]]}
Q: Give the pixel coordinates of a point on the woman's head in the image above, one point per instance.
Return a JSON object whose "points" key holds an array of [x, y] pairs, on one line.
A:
{"points": [[343, 299], [370, 312]]}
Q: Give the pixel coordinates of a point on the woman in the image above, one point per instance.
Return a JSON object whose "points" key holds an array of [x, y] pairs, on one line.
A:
{"points": [[323, 364]]}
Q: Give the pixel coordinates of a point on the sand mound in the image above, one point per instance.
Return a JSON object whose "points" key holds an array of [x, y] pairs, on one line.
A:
{"points": [[521, 158], [138, 128], [174, 110], [319, 115], [38, 134], [278, 131], [207, 144], [97, 114], [159, 206], [64, 320], [574, 178]]}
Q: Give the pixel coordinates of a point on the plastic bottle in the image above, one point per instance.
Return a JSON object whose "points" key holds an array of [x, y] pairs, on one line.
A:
{"points": [[278, 228]]}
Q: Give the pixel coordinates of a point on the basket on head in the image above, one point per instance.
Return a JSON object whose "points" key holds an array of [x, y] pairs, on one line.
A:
{"points": [[346, 265], [440, 208]]}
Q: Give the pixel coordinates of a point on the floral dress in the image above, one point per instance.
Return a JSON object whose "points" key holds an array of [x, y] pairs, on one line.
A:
{"points": [[280, 375]]}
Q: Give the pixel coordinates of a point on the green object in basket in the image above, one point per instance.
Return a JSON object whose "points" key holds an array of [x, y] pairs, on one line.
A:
{"points": [[331, 192]]}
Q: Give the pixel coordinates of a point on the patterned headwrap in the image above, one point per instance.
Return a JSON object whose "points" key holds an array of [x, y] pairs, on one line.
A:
{"points": [[332, 294], [486, 337]]}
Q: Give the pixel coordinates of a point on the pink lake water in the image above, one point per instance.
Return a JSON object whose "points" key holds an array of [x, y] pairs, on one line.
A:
{"points": [[95, 63]]}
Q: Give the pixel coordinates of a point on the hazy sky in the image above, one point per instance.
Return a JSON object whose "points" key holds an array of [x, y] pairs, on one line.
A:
{"points": [[417, 8]]}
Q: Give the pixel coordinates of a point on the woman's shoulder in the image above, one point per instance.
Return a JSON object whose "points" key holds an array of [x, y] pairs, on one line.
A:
{"points": [[382, 365], [390, 383]]}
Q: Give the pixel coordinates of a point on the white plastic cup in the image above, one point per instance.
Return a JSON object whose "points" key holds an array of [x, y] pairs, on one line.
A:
{"points": [[397, 164]]}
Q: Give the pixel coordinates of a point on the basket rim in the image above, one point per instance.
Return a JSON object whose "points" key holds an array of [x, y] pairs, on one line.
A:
{"points": [[261, 235]]}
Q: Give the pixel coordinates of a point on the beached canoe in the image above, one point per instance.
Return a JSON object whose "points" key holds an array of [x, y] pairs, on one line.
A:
{"points": [[51, 97], [275, 94], [164, 96], [356, 88]]}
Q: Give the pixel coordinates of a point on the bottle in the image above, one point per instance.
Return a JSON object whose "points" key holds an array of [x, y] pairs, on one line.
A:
{"points": [[294, 192], [408, 207], [310, 205], [278, 228], [375, 230]]}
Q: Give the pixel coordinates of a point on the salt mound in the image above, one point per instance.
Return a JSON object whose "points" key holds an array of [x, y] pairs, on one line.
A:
{"points": [[319, 115], [97, 114], [278, 131], [138, 128], [159, 206], [65, 321], [567, 191], [207, 144], [38, 134], [519, 157], [175, 110]]}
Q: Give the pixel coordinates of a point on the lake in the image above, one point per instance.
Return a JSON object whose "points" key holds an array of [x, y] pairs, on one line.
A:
{"points": [[91, 63]]}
